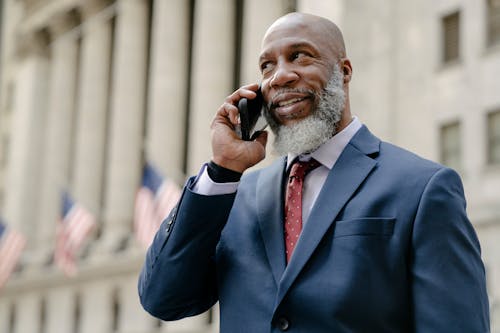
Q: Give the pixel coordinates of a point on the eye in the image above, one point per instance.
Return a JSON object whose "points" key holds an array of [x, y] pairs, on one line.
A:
{"points": [[298, 54], [265, 67]]}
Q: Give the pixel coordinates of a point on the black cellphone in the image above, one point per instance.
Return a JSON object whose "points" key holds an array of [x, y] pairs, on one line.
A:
{"points": [[250, 112]]}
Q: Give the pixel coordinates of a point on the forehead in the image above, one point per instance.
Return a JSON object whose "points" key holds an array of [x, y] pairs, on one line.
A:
{"points": [[290, 33]]}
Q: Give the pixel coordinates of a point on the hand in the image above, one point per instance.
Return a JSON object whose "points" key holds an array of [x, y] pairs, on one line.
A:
{"points": [[229, 151]]}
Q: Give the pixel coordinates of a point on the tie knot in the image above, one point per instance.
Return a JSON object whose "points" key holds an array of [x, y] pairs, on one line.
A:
{"points": [[301, 168]]}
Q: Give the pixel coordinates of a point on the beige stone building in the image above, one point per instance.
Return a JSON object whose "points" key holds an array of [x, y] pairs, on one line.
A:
{"points": [[90, 89]]}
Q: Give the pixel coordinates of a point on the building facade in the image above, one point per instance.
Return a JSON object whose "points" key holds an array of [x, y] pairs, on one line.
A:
{"points": [[91, 89]]}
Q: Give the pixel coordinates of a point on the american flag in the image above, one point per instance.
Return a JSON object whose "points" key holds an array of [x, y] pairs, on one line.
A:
{"points": [[75, 225], [154, 201], [12, 244]]}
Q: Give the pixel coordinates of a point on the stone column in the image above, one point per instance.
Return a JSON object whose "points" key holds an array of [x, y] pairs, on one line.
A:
{"points": [[188, 325], [255, 23], [213, 58], [26, 135], [60, 311], [96, 308], [27, 308], [127, 112], [167, 91], [92, 105], [133, 318], [59, 126], [332, 9], [214, 327], [4, 314]]}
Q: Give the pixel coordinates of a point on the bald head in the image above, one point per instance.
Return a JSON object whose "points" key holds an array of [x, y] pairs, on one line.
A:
{"points": [[317, 27]]}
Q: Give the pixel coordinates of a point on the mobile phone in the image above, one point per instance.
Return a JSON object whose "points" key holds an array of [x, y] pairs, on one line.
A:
{"points": [[250, 114]]}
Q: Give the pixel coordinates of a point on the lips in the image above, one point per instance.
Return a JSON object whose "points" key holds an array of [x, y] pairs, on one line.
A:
{"points": [[290, 101], [290, 105]]}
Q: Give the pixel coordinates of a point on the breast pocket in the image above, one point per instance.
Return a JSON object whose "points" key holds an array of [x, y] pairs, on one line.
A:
{"points": [[366, 226]]}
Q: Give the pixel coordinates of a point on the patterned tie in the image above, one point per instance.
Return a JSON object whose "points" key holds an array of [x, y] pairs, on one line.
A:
{"points": [[293, 203]]}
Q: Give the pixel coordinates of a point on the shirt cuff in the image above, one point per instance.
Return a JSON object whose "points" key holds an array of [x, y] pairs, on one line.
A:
{"points": [[204, 185]]}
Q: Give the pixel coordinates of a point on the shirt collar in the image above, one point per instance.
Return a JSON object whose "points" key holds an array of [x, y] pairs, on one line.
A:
{"points": [[328, 153]]}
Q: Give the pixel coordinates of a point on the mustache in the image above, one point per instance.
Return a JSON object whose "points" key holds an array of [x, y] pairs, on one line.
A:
{"points": [[272, 102]]}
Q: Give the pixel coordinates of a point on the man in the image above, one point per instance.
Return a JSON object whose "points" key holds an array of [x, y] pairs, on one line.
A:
{"points": [[385, 244]]}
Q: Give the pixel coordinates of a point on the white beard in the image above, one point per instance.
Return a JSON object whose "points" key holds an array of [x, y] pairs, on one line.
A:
{"points": [[308, 134]]}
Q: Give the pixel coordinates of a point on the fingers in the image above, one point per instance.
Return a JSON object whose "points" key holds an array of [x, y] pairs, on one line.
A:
{"points": [[247, 91], [229, 109], [228, 112], [228, 149]]}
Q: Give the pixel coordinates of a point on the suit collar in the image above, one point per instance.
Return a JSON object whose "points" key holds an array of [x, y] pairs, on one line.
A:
{"points": [[366, 142]]}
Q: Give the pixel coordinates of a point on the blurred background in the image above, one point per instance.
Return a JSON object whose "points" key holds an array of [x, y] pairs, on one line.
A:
{"points": [[92, 91]]}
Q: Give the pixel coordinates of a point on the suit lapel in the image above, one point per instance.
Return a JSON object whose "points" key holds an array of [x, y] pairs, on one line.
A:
{"points": [[351, 169], [270, 215]]}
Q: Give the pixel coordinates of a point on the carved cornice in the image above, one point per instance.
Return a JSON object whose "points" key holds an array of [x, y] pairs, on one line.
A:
{"points": [[92, 7], [38, 14], [33, 43], [118, 266], [32, 6], [63, 22]]}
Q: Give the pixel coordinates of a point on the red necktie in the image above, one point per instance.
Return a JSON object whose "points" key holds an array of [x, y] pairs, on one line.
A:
{"points": [[293, 203]]}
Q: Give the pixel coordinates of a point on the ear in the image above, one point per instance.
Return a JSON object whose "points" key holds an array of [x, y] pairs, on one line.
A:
{"points": [[346, 70]]}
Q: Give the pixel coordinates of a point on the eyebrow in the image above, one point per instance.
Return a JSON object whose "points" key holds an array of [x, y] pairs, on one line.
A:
{"points": [[301, 45], [293, 46], [263, 56]]}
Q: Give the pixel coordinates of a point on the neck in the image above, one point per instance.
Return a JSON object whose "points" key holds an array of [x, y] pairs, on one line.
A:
{"points": [[346, 115]]}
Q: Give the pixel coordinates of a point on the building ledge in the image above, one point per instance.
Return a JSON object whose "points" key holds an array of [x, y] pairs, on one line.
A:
{"points": [[38, 278]]}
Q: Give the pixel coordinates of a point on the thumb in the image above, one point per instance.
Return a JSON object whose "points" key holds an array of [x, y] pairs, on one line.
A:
{"points": [[260, 137]]}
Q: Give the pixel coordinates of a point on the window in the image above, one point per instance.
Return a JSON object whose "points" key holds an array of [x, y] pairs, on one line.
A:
{"points": [[451, 37], [494, 137], [493, 21], [451, 143]]}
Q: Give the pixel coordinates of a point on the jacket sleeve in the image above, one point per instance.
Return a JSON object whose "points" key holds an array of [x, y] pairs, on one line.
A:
{"points": [[448, 277], [178, 278]]}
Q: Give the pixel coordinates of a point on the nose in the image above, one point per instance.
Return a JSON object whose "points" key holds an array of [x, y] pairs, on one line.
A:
{"points": [[284, 75]]}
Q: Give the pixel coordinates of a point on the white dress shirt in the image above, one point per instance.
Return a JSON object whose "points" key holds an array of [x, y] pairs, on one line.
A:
{"points": [[327, 154]]}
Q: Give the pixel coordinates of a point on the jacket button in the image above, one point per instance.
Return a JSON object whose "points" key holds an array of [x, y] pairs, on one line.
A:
{"points": [[283, 324]]}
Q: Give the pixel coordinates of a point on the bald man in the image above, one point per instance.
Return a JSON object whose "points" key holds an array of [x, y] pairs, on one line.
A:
{"points": [[343, 233]]}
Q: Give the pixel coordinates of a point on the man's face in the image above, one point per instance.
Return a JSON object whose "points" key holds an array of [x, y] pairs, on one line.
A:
{"points": [[302, 84], [296, 63]]}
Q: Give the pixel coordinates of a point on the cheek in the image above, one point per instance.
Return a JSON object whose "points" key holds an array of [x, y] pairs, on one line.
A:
{"points": [[317, 79], [265, 89], [324, 79], [271, 118]]}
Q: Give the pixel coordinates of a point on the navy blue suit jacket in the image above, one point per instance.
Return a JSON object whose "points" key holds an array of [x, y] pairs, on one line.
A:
{"points": [[387, 248]]}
